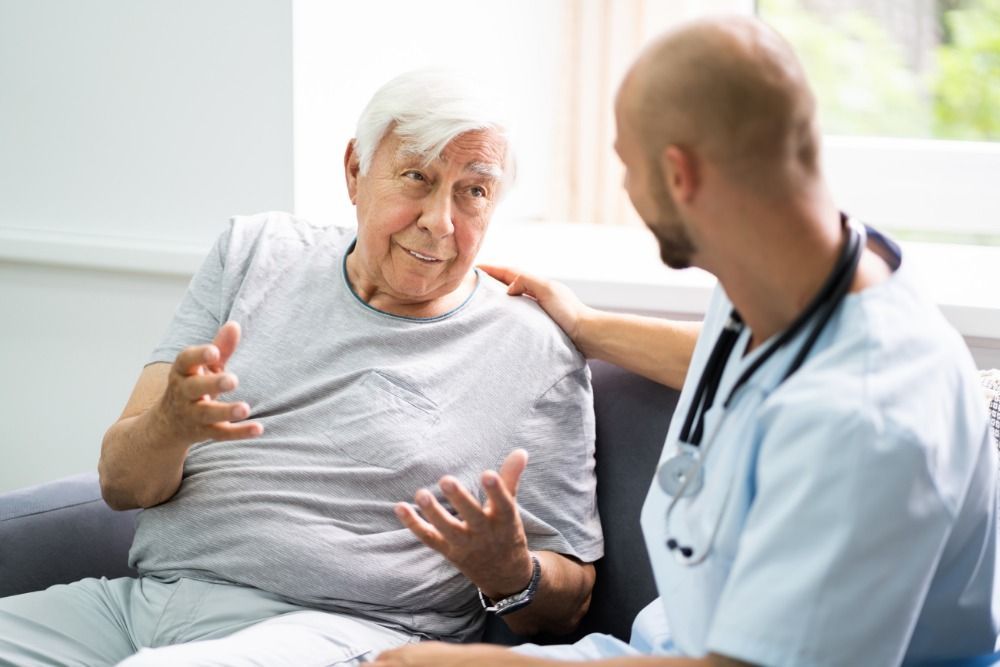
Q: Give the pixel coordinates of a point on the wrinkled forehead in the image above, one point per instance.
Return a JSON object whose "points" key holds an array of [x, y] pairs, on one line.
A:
{"points": [[482, 152]]}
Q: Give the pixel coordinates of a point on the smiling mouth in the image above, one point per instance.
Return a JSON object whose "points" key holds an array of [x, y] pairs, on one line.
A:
{"points": [[426, 259]]}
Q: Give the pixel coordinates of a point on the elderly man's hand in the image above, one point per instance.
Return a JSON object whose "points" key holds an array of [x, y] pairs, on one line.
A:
{"points": [[437, 654], [485, 542], [188, 407]]}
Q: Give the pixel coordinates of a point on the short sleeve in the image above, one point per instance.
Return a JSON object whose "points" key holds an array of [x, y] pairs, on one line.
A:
{"points": [[201, 312], [839, 545], [557, 494]]}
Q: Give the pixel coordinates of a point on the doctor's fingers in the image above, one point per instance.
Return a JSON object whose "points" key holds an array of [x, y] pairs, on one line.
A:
{"points": [[439, 654], [504, 274], [518, 282]]}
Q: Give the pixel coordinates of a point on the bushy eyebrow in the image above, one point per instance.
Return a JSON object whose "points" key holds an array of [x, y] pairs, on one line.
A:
{"points": [[487, 169]]}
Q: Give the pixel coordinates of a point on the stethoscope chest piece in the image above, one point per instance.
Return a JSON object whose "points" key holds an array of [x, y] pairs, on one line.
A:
{"points": [[681, 475]]}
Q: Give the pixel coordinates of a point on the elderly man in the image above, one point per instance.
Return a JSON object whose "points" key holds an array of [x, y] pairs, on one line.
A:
{"points": [[827, 492], [366, 366]]}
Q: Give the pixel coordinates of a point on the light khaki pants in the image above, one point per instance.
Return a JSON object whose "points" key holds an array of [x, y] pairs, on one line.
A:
{"points": [[142, 622]]}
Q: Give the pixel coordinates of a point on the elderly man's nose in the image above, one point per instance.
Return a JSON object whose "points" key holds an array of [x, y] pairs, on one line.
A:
{"points": [[436, 216]]}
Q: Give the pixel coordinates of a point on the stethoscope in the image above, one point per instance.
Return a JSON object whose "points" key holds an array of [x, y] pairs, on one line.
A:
{"points": [[682, 475]]}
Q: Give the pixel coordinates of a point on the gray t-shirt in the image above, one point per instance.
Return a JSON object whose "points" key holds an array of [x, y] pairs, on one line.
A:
{"points": [[360, 409]]}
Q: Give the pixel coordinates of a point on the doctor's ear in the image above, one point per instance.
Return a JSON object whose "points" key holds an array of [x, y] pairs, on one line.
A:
{"points": [[352, 168], [679, 167]]}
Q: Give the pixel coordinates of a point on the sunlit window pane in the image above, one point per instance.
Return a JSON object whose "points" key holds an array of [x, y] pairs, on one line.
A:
{"points": [[909, 103], [921, 68]]}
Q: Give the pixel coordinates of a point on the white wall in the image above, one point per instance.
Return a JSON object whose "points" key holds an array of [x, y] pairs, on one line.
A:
{"points": [[124, 124], [143, 118], [72, 345]]}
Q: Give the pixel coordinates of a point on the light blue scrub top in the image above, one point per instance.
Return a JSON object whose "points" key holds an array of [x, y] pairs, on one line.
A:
{"points": [[860, 524]]}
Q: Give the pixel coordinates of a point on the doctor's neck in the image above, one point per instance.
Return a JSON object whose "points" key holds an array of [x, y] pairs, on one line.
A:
{"points": [[772, 257]]}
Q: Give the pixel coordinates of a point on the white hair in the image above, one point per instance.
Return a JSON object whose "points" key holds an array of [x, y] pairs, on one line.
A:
{"points": [[427, 109]]}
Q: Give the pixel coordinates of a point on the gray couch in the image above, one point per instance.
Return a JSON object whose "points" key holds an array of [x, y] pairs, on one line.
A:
{"points": [[62, 531]]}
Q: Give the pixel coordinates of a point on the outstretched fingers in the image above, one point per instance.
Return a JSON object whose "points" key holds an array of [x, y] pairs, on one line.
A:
{"points": [[451, 528], [424, 531], [226, 340], [193, 360], [212, 412], [501, 488], [195, 387], [239, 431], [464, 502], [197, 378], [512, 468]]}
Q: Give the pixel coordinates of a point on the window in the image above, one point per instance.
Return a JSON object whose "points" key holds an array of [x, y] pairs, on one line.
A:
{"points": [[909, 92], [909, 97], [559, 63]]}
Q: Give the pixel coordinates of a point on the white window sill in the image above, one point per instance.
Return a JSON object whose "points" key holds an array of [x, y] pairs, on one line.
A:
{"points": [[609, 267], [619, 268]]}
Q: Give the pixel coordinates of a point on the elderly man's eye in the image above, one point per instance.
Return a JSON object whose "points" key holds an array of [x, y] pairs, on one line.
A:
{"points": [[413, 175], [477, 191]]}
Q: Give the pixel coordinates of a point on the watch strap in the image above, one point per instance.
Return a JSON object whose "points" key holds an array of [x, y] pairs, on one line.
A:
{"points": [[516, 601]]}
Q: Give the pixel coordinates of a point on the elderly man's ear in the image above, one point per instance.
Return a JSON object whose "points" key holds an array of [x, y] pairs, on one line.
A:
{"points": [[351, 169]]}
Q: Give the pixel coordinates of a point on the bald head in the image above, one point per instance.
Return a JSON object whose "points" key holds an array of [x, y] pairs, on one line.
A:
{"points": [[731, 90]]}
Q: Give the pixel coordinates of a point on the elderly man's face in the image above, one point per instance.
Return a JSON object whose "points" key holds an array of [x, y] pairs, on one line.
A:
{"points": [[420, 225]]}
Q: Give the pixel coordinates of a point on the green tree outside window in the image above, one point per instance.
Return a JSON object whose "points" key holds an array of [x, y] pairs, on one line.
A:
{"points": [[865, 86]]}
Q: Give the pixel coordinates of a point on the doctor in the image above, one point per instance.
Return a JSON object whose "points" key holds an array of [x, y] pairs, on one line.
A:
{"points": [[826, 494]]}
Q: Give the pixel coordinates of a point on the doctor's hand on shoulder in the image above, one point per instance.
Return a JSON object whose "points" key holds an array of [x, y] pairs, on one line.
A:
{"points": [[654, 347], [557, 300], [487, 543]]}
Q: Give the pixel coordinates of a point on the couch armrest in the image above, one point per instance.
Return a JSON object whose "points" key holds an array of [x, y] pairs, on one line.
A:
{"points": [[60, 532]]}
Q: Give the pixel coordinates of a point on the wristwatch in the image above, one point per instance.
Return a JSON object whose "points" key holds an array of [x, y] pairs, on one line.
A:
{"points": [[517, 600]]}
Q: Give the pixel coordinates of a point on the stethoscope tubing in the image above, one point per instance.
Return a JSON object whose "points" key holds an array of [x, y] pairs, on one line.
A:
{"points": [[829, 299]]}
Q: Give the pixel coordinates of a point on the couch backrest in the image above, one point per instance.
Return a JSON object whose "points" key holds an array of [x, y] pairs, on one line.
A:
{"points": [[59, 532]]}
